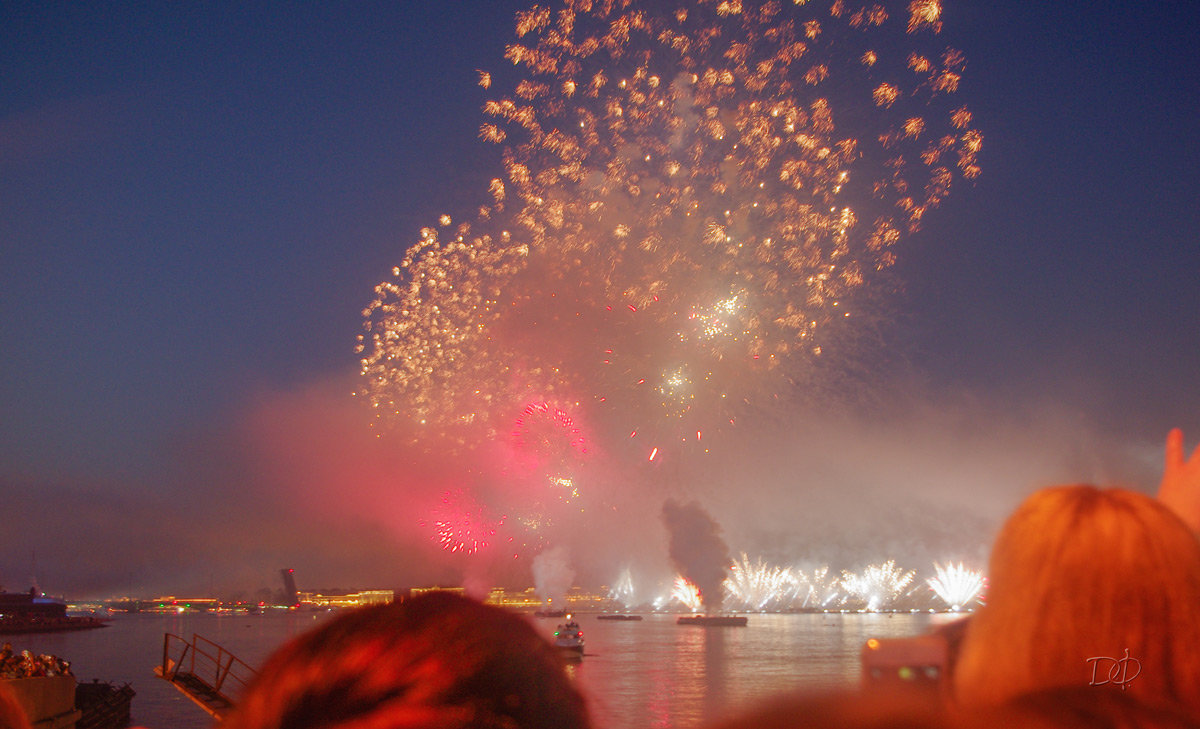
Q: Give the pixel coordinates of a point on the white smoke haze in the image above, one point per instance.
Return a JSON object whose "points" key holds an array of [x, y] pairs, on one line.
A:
{"points": [[300, 482], [552, 575]]}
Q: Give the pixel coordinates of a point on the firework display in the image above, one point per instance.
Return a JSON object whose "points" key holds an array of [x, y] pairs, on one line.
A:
{"points": [[956, 585], [818, 589], [687, 594], [690, 198], [878, 585], [692, 195], [759, 587], [756, 586], [460, 524]]}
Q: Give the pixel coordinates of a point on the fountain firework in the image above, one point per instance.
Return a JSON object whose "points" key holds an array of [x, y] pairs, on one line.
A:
{"points": [[623, 590], [878, 585], [687, 594], [758, 586], [818, 589], [956, 585]]}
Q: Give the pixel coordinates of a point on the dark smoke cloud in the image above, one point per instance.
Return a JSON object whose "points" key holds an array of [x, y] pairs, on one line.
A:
{"points": [[697, 549]]}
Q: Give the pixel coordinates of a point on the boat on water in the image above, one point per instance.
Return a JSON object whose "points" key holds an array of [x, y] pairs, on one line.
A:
{"points": [[568, 638], [618, 616], [33, 612], [722, 621]]}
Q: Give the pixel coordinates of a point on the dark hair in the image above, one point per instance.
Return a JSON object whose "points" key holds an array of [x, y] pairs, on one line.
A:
{"points": [[438, 660]]}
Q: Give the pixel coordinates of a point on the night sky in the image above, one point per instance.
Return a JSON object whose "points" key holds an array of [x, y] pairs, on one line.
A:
{"points": [[197, 202]]}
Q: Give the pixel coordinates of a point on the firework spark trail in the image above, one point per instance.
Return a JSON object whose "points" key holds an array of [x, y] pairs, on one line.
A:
{"points": [[759, 586], [549, 444], [956, 585], [687, 166], [623, 590], [460, 524], [691, 199], [687, 594], [818, 589], [878, 585], [692, 195]]}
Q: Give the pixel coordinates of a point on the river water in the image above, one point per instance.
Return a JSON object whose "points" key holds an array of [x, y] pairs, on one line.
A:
{"points": [[636, 674]]}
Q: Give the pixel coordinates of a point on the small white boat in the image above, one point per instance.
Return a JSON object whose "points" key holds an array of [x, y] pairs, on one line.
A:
{"points": [[569, 637]]}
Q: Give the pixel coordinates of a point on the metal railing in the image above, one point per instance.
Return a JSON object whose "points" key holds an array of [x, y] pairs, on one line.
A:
{"points": [[202, 660]]}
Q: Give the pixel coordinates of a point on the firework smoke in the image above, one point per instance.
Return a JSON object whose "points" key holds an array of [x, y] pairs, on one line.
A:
{"points": [[681, 221], [693, 206], [552, 575], [697, 550]]}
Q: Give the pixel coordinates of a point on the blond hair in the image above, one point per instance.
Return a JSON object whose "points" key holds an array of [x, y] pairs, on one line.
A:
{"points": [[1077, 577]]}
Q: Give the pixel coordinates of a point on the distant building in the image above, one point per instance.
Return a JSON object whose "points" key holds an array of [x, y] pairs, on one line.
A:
{"points": [[415, 591], [172, 604], [346, 600], [576, 598], [291, 595]]}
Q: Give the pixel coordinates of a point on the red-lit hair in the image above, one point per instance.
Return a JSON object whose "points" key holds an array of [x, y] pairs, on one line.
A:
{"points": [[439, 661], [12, 716], [1078, 573]]}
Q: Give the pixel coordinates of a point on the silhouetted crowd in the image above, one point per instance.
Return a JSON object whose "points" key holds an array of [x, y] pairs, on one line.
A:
{"points": [[27, 665]]}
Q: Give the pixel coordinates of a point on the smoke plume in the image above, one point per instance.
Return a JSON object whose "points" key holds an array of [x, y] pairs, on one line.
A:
{"points": [[697, 549], [552, 574]]}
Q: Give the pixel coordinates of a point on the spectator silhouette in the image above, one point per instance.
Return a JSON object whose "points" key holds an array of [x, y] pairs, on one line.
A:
{"points": [[1058, 708], [439, 661], [12, 716], [1077, 575], [1180, 487]]}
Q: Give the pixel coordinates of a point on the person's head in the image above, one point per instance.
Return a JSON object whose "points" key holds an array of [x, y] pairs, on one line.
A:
{"points": [[1091, 708], [1077, 577], [439, 661], [12, 716], [1060, 708], [882, 709]]}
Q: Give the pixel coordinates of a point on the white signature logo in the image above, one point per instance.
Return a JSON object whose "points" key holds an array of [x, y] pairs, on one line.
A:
{"points": [[1118, 670]]}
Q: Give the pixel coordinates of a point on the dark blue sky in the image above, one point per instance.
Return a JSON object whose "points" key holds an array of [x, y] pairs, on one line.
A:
{"points": [[196, 201]]}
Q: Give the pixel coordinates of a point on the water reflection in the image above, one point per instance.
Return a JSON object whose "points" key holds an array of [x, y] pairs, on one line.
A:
{"points": [[637, 674], [658, 674], [716, 677]]}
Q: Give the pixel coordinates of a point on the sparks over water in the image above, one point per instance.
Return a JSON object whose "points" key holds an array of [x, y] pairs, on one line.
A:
{"points": [[878, 585], [956, 585], [758, 586]]}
